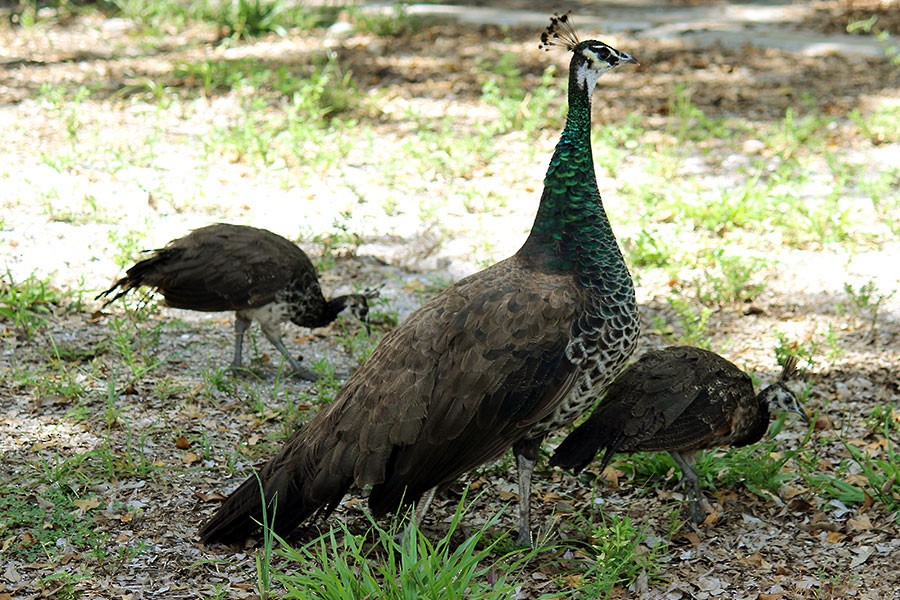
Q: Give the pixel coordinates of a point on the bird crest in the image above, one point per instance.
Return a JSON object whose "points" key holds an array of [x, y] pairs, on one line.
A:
{"points": [[559, 32], [789, 368]]}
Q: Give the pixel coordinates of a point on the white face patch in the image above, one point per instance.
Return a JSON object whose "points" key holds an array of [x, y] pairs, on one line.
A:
{"points": [[590, 71]]}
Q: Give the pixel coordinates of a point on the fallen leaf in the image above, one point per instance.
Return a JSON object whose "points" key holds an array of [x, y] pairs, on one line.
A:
{"points": [[860, 523], [214, 497], [692, 537], [190, 458], [755, 560], [834, 537], [87, 504], [182, 443]]}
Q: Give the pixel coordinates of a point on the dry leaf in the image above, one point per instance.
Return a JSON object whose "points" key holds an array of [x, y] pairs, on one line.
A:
{"points": [[860, 523], [213, 497], [182, 443], [190, 458], [834, 537], [87, 504], [756, 560], [507, 495]]}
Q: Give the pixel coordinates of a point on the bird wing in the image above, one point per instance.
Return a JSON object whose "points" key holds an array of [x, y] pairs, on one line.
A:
{"points": [[687, 401], [648, 399], [223, 267], [456, 384]]}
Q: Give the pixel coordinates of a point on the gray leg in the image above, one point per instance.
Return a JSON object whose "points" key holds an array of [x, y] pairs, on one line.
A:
{"points": [[526, 468], [691, 485], [421, 509], [275, 338], [423, 505], [240, 326]]}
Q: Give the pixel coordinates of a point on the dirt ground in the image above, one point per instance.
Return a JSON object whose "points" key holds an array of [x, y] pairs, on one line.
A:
{"points": [[796, 544]]}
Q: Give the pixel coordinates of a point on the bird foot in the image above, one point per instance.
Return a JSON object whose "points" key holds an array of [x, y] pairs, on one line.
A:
{"points": [[303, 373]]}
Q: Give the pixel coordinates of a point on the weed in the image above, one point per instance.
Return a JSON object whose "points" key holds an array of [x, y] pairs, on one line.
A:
{"points": [[245, 19], [340, 564], [787, 347], [738, 281], [520, 108], [28, 304], [619, 557], [867, 299], [648, 249], [395, 23], [692, 320]]}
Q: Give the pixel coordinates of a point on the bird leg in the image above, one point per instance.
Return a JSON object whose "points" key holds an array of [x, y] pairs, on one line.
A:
{"points": [[240, 326], [526, 453], [421, 509], [691, 485], [274, 336]]}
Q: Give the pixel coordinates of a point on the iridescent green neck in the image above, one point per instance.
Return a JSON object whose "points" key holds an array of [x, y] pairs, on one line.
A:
{"points": [[571, 231]]}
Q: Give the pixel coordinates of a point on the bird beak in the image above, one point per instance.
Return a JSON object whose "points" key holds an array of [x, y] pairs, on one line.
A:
{"points": [[368, 326], [803, 416], [627, 58]]}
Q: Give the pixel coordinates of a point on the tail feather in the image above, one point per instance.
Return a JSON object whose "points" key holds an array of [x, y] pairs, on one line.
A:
{"points": [[296, 483], [582, 444]]}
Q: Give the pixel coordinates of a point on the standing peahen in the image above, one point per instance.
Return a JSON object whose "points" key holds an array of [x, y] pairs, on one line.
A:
{"points": [[495, 361], [680, 399], [254, 272]]}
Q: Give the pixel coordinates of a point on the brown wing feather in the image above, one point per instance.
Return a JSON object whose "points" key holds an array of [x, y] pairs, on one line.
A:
{"points": [[677, 398], [455, 385], [220, 267]]}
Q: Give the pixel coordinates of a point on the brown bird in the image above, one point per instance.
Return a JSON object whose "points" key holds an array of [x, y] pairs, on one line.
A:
{"points": [[254, 272], [680, 399], [495, 361]]}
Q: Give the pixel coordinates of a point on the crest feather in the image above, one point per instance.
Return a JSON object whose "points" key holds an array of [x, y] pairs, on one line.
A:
{"points": [[789, 368], [560, 32]]}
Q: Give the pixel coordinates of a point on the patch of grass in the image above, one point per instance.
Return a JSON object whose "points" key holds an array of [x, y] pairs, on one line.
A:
{"points": [[649, 249], [522, 108], [880, 461], [395, 22], [340, 564], [865, 299], [692, 321], [28, 304], [619, 556], [689, 122], [738, 279]]}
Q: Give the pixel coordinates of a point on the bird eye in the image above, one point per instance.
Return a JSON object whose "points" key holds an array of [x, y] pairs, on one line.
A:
{"points": [[603, 53]]}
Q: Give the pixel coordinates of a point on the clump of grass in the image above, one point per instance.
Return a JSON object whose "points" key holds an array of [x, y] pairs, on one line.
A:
{"points": [[522, 108], [340, 564], [28, 304], [619, 556]]}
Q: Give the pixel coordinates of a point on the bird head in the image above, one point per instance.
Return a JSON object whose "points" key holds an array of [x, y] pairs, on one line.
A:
{"points": [[359, 308], [778, 396], [591, 58]]}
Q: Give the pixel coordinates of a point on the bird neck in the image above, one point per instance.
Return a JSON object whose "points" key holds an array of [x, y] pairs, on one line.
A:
{"points": [[334, 307], [571, 231], [759, 426]]}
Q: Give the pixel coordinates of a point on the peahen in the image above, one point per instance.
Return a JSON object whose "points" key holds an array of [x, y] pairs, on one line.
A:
{"points": [[495, 361], [679, 399], [254, 272]]}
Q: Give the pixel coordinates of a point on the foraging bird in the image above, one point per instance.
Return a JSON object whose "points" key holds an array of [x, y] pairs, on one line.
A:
{"points": [[495, 361], [254, 272], [680, 399]]}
